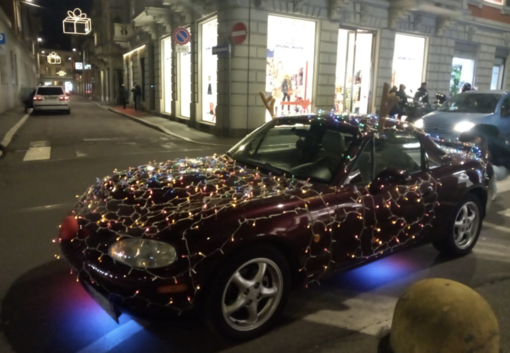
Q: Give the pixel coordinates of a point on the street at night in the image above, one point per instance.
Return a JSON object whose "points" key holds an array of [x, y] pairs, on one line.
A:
{"points": [[44, 309]]}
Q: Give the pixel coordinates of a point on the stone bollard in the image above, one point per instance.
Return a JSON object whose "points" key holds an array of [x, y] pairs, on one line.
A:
{"points": [[443, 316]]}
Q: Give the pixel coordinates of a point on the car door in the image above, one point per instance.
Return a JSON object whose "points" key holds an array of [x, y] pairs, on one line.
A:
{"points": [[502, 121], [379, 220]]}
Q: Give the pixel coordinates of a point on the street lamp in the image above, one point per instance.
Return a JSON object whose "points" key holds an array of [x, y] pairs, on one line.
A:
{"points": [[39, 39], [74, 49]]}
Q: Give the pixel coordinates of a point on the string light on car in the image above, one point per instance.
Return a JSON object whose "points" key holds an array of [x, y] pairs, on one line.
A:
{"points": [[182, 197]]}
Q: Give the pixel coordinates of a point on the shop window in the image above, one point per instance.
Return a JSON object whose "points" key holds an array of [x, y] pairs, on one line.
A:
{"points": [[290, 61], [209, 70], [497, 74], [185, 83], [463, 71], [167, 74], [408, 62], [353, 71]]}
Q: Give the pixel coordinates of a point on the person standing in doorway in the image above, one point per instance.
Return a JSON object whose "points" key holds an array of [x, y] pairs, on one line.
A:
{"points": [[124, 95], [137, 95]]}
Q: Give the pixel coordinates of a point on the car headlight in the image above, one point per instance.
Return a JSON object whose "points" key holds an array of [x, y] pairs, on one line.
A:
{"points": [[143, 253], [463, 126], [419, 123]]}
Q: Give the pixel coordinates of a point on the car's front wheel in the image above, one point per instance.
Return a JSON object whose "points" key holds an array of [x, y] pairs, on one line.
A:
{"points": [[249, 293], [464, 228]]}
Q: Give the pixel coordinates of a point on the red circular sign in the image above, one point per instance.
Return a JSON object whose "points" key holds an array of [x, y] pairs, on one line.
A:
{"points": [[239, 33], [181, 36]]}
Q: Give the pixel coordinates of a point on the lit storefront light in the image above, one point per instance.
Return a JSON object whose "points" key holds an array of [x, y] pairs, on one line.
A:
{"points": [[408, 62], [167, 73], [290, 62], [209, 70], [185, 83]]}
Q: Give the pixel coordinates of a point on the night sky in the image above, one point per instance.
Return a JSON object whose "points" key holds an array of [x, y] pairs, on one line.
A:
{"points": [[52, 13]]}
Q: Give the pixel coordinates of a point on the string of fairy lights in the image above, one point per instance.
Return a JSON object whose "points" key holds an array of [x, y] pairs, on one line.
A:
{"points": [[179, 196]]}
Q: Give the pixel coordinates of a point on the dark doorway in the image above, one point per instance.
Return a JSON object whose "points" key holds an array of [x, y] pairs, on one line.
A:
{"points": [[142, 67]]}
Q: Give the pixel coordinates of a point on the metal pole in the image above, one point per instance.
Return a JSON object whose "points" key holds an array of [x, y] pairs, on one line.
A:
{"points": [[229, 88]]}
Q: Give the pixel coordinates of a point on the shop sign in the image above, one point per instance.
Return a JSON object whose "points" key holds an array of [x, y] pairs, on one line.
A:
{"points": [[221, 49], [78, 66], [182, 49], [2, 38], [239, 33], [181, 36]]}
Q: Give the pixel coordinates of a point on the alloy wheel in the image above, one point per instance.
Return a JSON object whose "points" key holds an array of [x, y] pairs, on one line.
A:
{"points": [[466, 225], [252, 294]]}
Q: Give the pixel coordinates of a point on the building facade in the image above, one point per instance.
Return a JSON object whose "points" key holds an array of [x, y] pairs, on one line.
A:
{"points": [[307, 54], [18, 53]]}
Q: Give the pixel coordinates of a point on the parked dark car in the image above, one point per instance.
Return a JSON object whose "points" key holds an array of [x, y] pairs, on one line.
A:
{"points": [[294, 201]]}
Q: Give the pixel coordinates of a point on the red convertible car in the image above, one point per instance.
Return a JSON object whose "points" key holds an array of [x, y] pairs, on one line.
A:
{"points": [[296, 200]]}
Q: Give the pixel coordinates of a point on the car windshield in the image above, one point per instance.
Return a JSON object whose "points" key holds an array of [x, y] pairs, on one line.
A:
{"points": [[471, 103], [304, 148], [50, 91]]}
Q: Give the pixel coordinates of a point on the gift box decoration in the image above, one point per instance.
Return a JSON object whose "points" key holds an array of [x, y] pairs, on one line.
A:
{"points": [[54, 58], [77, 22]]}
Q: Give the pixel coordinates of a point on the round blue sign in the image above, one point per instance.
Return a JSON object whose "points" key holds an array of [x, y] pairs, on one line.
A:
{"points": [[181, 36]]}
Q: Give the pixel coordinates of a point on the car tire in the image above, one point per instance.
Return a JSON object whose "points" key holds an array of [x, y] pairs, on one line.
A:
{"points": [[68, 112], [249, 293], [464, 228]]}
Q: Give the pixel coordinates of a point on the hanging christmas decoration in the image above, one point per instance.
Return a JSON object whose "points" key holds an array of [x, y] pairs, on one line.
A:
{"points": [[61, 73], [77, 22], [54, 58]]}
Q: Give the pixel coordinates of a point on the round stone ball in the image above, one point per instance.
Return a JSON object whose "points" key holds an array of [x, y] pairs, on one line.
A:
{"points": [[443, 316]]}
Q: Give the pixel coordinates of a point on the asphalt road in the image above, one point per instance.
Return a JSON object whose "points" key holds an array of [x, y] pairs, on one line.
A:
{"points": [[55, 157]]}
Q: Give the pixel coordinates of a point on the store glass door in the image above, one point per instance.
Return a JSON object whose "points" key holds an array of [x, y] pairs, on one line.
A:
{"points": [[354, 71]]}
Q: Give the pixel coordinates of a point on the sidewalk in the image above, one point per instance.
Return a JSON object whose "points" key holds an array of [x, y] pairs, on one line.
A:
{"points": [[173, 128], [10, 122]]}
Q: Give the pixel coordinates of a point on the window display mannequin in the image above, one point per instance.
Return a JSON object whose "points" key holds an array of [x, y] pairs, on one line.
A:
{"points": [[286, 90], [209, 86]]}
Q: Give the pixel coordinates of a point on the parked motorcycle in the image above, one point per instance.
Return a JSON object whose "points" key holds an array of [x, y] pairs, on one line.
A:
{"points": [[416, 108]]}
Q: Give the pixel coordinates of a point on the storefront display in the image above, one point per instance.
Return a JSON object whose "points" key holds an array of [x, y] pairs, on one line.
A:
{"points": [[166, 71], [408, 62], [353, 71], [185, 83], [290, 63], [209, 70], [462, 72]]}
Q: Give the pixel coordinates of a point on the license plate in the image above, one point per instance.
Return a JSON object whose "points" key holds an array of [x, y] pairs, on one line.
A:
{"points": [[50, 98], [103, 302]]}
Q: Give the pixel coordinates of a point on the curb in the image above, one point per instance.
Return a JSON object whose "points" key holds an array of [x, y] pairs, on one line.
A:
{"points": [[163, 129], [10, 134]]}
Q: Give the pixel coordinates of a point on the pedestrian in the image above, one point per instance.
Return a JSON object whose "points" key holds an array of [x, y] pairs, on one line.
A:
{"points": [[124, 95], [422, 93], [286, 90], [29, 102], [137, 96], [403, 100], [491, 143], [466, 87]]}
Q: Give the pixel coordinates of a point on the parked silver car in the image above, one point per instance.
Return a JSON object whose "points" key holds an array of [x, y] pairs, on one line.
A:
{"points": [[463, 111]]}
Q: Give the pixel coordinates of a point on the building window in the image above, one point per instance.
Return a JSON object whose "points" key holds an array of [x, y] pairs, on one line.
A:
{"points": [[408, 61], [353, 71], [166, 48], [184, 62], [463, 71], [497, 2], [290, 60], [209, 70], [497, 74], [3, 69]]}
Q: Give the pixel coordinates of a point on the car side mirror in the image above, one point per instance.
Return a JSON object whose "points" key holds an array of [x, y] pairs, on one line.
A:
{"points": [[387, 178]]}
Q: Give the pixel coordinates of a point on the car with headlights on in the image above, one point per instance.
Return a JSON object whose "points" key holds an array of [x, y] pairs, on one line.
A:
{"points": [[463, 111], [296, 200], [51, 98]]}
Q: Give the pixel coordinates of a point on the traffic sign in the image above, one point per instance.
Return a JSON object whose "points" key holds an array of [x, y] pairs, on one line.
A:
{"points": [[239, 33], [221, 49], [181, 36], [2, 38]]}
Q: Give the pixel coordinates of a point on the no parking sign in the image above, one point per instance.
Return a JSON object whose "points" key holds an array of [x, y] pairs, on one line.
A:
{"points": [[181, 36]]}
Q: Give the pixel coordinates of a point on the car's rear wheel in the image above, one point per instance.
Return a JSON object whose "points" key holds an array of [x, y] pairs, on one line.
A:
{"points": [[249, 293], [464, 228], [68, 112]]}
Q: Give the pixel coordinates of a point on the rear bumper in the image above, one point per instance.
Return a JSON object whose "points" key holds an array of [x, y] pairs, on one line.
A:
{"points": [[52, 107]]}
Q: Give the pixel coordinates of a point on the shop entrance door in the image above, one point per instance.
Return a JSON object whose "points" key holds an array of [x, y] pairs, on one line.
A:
{"points": [[354, 70]]}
